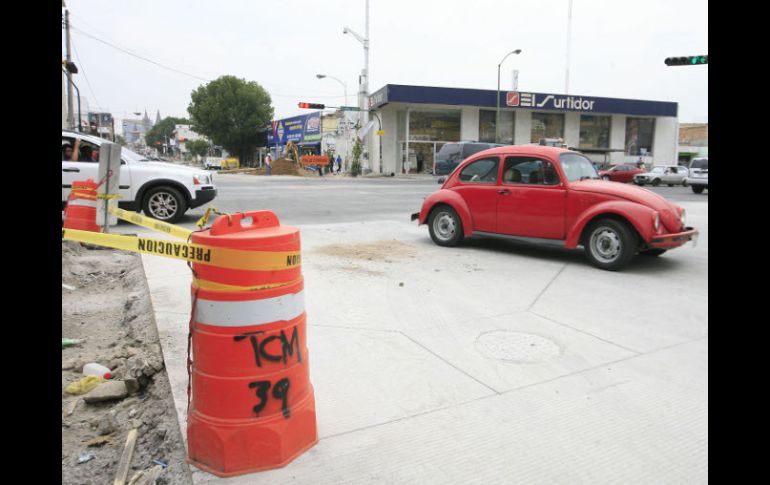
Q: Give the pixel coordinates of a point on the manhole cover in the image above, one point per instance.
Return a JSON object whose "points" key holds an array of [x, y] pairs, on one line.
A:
{"points": [[516, 346]]}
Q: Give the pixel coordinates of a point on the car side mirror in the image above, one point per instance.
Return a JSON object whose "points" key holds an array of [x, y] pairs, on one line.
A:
{"points": [[441, 180]]}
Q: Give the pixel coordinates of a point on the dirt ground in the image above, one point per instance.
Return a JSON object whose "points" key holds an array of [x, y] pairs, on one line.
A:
{"points": [[110, 308]]}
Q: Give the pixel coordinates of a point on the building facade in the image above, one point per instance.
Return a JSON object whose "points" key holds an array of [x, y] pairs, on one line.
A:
{"points": [[421, 119]]}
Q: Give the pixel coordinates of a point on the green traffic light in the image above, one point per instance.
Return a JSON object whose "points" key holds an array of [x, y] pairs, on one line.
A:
{"points": [[693, 60]]}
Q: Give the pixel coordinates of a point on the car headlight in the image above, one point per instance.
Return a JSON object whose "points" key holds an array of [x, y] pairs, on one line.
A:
{"points": [[200, 179], [682, 217], [656, 221]]}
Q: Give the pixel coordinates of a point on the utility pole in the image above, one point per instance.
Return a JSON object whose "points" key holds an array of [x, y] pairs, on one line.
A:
{"points": [[569, 38], [70, 98]]}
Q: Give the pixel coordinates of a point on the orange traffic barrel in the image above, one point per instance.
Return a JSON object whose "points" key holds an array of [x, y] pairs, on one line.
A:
{"points": [[80, 212], [279, 244], [252, 405]]}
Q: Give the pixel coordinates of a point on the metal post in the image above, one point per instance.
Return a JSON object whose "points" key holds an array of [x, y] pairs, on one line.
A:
{"points": [[497, 113], [70, 100]]}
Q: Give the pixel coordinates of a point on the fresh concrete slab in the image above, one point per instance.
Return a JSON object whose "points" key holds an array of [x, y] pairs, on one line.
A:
{"points": [[488, 363]]}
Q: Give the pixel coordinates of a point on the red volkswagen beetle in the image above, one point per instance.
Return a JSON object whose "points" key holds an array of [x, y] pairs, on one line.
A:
{"points": [[621, 173], [548, 194]]}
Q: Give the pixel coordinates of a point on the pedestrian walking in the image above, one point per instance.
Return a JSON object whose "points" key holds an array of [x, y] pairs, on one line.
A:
{"points": [[339, 164]]}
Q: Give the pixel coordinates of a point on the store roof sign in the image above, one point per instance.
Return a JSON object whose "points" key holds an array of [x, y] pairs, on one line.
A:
{"points": [[549, 101]]}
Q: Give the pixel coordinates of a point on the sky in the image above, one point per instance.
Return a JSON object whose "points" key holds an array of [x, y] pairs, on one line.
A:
{"points": [[617, 49]]}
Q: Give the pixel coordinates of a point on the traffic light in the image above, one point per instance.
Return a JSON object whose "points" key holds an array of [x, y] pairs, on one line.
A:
{"points": [[312, 106], [687, 61]]}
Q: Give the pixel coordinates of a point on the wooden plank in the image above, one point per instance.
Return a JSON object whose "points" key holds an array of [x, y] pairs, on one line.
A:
{"points": [[125, 460]]}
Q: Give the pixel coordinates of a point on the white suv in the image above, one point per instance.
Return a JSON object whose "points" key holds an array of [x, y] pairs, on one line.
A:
{"points": [[163, 191], [699, 174]]}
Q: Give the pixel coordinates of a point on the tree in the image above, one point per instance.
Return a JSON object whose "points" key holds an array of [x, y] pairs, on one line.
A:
{"points": [[163, 131], [231, 112], [198, 148], [358, 149]]}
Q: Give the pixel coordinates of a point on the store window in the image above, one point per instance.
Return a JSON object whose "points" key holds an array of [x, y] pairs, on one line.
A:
{"points": [[438, 125], [639, 133], [487, 119], [594, 131], [547, 125]]}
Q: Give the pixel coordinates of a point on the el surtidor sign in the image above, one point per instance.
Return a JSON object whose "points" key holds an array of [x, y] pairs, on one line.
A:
{"points": [[299, 129]]}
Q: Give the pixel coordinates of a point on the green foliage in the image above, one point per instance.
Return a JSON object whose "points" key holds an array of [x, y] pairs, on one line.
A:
{"points": [[231, 112], [120, 140], [355, 167], [197, 148], [156, 136]]}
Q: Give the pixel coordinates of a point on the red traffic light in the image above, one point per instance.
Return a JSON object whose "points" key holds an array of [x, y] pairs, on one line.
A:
{"points": [[311, 105]]}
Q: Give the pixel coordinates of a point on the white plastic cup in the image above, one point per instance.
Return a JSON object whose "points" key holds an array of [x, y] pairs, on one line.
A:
{"points": [[94, 369]]}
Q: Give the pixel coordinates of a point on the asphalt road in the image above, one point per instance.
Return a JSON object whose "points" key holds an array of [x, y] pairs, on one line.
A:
{"points": [[332, 199]]}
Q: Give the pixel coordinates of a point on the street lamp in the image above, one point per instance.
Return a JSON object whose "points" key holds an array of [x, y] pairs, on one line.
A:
{"points": [[344, 86], [497, 117]]}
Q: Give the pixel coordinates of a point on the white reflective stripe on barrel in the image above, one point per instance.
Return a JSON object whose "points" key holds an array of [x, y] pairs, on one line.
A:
{"points": [[249, 312], [83, 202]]}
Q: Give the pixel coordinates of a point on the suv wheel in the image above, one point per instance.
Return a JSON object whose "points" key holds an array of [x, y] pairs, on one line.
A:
{"points": [[165, 204], [445, 226], [656, 182], [610, 244], [697, 188]]}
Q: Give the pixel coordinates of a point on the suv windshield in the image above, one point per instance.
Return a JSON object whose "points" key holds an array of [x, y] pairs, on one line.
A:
{"points": [[700, 163], [473, 148], [577, 167]]}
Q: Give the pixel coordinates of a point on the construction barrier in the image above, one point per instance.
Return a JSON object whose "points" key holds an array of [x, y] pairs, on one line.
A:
{"points": [[314, 160], [80, 212], [252, 405]]}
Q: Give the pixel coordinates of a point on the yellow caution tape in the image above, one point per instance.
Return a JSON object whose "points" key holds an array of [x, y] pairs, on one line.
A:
{"points": [[153, 224], [195, 253], [203, 220], [213, 285]]}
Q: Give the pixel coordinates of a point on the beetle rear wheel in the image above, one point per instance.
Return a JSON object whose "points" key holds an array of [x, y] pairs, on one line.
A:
{"points": [[445, 226]]}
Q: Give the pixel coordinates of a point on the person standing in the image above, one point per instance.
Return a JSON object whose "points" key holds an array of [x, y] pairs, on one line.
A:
{"points": [[339, 164], [268, 163]]}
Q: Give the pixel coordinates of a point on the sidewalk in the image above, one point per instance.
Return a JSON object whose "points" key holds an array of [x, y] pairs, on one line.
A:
{"points": [[486, 363]]}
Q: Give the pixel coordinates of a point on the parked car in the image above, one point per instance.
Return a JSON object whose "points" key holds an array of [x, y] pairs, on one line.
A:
{"points": [[451, 154], [620, 173], [698, 177], [663, 174], [552, 195], [163, 191], [213, 163]]}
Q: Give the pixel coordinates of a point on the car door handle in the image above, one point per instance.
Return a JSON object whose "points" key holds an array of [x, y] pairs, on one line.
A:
{"points": [[70, 170], [504, 192]]}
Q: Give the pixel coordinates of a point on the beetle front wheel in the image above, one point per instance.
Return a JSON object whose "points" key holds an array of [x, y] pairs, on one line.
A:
{"points": [[610, 244]]}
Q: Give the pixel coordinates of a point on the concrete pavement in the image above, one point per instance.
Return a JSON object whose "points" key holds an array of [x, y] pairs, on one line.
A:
{"points": [[494, 362]]}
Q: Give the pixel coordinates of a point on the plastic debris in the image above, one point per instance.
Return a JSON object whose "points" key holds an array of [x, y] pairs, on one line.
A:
{"points": [[69, 342], [158, 462], [84, 457], [83, 385]]}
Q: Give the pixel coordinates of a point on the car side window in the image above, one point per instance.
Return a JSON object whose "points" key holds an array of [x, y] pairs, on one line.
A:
{"points": [[529, 170], [67, 145], [483, 171]]}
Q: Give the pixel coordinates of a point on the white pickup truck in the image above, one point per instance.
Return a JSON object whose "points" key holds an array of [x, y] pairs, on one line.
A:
{"points": [[163, 191]]}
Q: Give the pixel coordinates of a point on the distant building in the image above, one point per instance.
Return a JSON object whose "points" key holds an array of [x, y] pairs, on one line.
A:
{"points": [[183, 134], [693, 141]]}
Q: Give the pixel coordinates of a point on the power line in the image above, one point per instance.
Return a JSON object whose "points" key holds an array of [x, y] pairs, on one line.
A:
{"points": [[90, 89], [138, 56]]}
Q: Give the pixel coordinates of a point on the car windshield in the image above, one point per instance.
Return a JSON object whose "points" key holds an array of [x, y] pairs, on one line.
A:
{"points": [[577, 167], [133, 156], [700, 163]]}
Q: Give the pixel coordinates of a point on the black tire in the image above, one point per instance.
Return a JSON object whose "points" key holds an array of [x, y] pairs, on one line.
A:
{"points": [[656, 182], [698, 189], [610, 244], [445, 226], [164, 203], [670, 185], [606, 177], [652, 252]]}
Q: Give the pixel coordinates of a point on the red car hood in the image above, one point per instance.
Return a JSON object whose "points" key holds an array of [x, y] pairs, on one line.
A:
{"points": [[669, 212]]}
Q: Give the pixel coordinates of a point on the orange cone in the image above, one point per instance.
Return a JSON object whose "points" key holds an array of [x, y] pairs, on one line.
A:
{"points": [[80, 212], [252, 405]]}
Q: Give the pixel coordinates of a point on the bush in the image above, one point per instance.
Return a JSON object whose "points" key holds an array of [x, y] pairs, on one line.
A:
{"points": [[355, 167]]}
